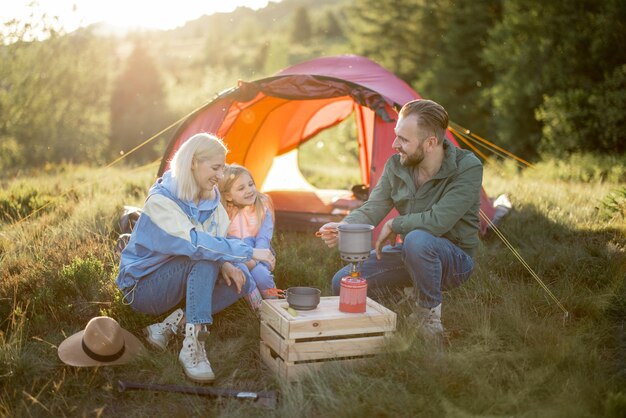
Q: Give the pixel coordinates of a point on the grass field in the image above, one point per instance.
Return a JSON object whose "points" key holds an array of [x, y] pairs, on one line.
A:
{"points": [[510, 352]]}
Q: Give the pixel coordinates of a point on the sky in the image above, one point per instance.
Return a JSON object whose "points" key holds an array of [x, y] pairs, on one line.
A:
{"points": [[149, 14]]}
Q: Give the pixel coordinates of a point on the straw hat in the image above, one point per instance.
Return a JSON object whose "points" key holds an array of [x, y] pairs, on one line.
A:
{"points": [[103, 342]]}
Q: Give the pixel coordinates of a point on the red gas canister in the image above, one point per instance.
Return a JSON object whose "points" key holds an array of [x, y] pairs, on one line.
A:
{"points": [[353, 294]]}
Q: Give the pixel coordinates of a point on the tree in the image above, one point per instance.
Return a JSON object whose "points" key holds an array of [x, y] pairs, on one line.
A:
{"points": [[301, 30], [457, 76], [546, 55], [434, 46], [331, 27], [53, 94], [586, 120], [402, 36], [138, 105]]}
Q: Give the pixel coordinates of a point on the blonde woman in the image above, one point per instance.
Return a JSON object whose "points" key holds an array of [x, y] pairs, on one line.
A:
{"points": [[177, 251]]}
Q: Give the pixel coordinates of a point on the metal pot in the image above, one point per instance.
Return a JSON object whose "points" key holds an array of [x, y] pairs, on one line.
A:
{"points": [[355, 241], [303, 298]]}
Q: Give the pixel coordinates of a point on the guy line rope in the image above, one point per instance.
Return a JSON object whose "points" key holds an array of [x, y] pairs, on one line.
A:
{"points": [[465, 135], [524, 263]]}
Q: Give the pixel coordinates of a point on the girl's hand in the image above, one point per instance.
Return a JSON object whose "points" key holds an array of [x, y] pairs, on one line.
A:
{"points": [[233, 275], [260, 254], [251, 264]]}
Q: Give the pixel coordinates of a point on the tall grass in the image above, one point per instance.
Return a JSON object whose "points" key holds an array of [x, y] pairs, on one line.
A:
{"points": [[510, 351]]}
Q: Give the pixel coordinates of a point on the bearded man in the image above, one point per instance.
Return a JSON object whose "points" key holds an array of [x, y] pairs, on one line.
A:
{"points": [[435, 187]]}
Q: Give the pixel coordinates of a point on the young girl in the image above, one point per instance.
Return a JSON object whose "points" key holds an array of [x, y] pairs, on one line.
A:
{"points": [[252, 220]]}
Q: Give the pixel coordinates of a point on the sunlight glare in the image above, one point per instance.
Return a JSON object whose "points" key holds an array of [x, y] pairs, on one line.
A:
{"points": [[122, 13]]}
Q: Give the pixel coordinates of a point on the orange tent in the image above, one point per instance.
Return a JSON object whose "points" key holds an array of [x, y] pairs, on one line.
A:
{"points": [[262, 119]]}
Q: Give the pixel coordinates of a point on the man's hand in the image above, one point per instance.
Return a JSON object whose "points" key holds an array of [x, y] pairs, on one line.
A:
{"points": [[233, 275], [328, 233], [386, 234], [262, 254]]}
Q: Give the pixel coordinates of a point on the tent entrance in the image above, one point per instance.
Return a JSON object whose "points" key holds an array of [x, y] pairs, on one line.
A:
{"points": [[299, 204], [285, 174]]}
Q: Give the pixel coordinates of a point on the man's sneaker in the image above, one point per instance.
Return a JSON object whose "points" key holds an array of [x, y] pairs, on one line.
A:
{"points": [[193, 355], [159, 334], [429, 320]]}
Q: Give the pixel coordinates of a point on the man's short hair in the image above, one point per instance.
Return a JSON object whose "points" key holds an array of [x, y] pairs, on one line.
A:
{"points": [[430, 116]]}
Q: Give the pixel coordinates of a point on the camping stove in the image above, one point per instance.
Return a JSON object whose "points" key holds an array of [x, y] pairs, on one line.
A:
{"points": [[355, 244]]}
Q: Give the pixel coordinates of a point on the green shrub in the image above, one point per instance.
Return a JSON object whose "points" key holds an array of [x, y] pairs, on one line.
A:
{"points": [[82, 278], [613, 206], [21, 201], [79, 290]]}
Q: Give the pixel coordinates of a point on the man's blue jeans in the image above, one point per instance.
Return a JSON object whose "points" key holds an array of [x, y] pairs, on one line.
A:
{"points": [[430, 264], [196, 281]]}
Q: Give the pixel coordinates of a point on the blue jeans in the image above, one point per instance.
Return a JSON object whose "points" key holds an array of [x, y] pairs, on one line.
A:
{"points": [[196, 281], [430, 264]]}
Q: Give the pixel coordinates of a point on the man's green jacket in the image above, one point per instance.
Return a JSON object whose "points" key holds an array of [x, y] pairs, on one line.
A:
{"points": [[446, 205]]}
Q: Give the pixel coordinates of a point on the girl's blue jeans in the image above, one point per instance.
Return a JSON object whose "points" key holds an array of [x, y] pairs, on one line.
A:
{"points": [[430, 264], [197, 281]]}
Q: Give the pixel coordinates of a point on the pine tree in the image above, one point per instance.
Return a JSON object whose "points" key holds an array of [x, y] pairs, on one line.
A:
{"points": [[401, 35], [301, 30], [458, 77], [332, 27]]}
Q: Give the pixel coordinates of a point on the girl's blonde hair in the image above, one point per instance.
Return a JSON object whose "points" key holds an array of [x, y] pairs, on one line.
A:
{"points": [[197, 148], [262, 201]]}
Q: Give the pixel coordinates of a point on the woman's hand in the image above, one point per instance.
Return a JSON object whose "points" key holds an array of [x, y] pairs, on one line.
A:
{"points": [[261, 254], [233, 275]]}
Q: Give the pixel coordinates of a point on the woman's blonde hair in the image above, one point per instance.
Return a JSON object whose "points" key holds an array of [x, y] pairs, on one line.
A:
{"points": [[261, 203], [197, 148]]}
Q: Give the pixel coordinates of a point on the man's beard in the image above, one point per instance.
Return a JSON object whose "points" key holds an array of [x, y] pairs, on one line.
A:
{"points": [[414, 159]]}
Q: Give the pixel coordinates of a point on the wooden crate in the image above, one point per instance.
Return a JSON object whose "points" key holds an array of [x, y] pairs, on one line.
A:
{"points": [[293, 345]]}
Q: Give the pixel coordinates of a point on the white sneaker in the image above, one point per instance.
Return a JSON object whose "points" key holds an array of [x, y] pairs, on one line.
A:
{"points": [[193, 356], [429, 320], [159, 334]]}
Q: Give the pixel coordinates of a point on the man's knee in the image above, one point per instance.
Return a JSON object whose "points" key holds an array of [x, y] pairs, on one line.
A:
{"points": [[417, 241]]}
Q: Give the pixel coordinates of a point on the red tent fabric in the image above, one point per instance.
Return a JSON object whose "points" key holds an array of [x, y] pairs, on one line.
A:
{"points": [[261, 119]]}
